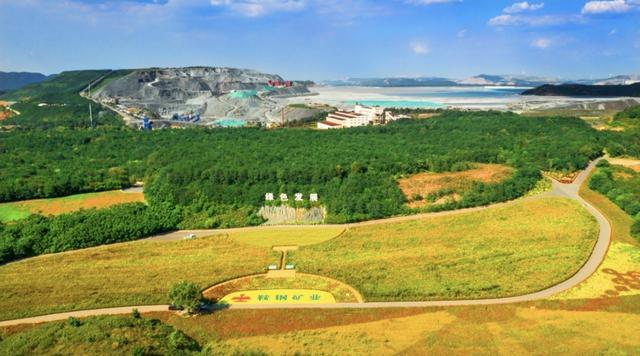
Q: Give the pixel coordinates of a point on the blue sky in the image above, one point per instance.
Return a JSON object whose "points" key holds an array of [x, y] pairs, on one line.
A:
{"points": [[326, 39]]}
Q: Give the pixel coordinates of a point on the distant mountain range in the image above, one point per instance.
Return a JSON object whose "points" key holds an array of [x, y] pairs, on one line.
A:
{"points": [[392, 82], [14, 80], [507, 80], [581, 90], [478, 80]]}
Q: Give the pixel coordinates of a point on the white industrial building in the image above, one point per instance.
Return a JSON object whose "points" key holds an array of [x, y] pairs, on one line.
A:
{"points": [[361, 116], [372, 112]]}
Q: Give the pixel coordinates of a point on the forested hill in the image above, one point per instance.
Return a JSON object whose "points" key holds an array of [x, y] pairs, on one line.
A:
{"points": [[578, 90], [13, 80], [213, 172], [63, 106]]}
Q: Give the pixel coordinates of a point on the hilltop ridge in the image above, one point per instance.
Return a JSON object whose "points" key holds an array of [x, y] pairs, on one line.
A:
{"points": [[15, 80]]}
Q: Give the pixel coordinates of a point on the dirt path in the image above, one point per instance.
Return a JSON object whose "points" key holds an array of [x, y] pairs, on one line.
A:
{"points": [[84, 314], [234, 107], [566, 190]]}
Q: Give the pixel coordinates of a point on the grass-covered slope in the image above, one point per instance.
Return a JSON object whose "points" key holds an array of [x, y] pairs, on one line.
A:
{"points": [[498, 252], [476, 330], [502, 251], [56, 206], [138, 273]]}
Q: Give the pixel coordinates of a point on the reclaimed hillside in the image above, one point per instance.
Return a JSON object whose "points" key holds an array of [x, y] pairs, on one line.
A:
{"points": [[56, 103]]}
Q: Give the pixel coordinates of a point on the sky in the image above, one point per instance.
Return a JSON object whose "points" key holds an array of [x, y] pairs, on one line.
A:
{"points": [[326, 39]]}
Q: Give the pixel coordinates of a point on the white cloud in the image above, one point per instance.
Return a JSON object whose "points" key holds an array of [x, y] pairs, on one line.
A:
{"points": [[514, 16], [462, 33], [544, 20], [503, 20], [419, 47], [541, 43], [613, 32], [343, 12], [609, 6], [254, 8], [523, 6]]}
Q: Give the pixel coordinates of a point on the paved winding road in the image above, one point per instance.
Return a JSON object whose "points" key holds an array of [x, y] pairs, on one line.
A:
{"points": [[565, 190]]}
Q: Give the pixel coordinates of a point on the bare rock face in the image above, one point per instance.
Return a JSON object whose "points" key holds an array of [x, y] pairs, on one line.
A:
{"points": [[212, 92], [184, 83], [284, 215]]}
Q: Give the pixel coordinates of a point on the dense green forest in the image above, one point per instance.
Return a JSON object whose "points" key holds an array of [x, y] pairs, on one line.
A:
{"points": [[626, 142], [55, 103], [86, 228], [354, 170], [622, 186]]}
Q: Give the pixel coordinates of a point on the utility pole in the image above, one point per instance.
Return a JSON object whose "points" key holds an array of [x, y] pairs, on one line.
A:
{"points": [[90, 109]]}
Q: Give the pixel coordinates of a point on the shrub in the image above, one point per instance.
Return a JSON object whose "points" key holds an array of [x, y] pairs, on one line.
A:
{"points": [[74, 322], [138, 351], [601, 181], [185, 295], [181, 342]]}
